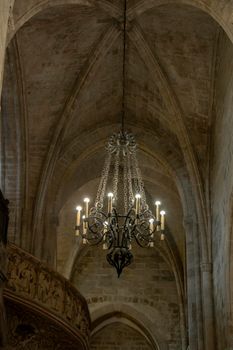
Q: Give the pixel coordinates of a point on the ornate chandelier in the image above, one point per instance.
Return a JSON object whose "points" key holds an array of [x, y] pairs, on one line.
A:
{"points": [[122, 216]]}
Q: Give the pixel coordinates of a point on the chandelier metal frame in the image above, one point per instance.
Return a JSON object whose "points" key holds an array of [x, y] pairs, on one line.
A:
{"points": [[125, 216]]}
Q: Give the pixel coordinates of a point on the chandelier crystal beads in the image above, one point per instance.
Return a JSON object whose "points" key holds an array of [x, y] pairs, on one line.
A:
{"points": [[120, 215]]}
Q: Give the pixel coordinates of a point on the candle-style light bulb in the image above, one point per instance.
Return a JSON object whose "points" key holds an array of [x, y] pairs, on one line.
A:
{"points": [[79, 209], [84, 225], [105, 226], [157, 203], [138, 199], [110, 199], [162, 213], [86, 201], [162, 237], [151, 221]]}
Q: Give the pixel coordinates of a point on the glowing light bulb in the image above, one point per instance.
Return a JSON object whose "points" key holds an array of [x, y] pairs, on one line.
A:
{"points": [[162, 213], [157, 203], [151, 221], [86, 201], [110, 198], [78, 208]]}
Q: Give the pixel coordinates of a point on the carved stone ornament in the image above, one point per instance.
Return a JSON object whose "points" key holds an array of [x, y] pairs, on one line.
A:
{"points": [[28, 330], [32, 282]]}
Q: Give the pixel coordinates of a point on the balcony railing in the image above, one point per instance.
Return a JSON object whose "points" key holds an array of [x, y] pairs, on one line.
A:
{"points": [[32, 282]]}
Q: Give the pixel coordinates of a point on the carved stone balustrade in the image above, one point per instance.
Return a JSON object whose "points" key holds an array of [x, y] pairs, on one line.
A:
{"points": [[32, 284]]}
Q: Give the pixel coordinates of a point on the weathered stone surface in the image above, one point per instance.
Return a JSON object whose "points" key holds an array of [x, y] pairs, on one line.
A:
{"points": [[30, 330], [148, 285], [118, 336], [61, 100], [5, 8], [222, 186], [31, 282]]}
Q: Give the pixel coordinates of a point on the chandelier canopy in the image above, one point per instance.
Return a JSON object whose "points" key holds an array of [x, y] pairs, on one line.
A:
{"points": [[120, 217]]}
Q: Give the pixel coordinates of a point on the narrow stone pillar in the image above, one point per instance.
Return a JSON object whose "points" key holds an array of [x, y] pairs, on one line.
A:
{"points": [[194, 307], [3, 322], [208, 309], [5, 7], [4, 218]]}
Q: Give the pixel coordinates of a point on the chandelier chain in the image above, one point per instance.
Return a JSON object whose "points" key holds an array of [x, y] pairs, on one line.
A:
{"points": [[125, 186], [123, 69], [116, 175], [139, 178], [103, 181], [130, 188]]}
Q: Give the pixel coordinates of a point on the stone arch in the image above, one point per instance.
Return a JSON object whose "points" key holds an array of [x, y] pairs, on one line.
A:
{"points": [[49, 3], [184, 193], [212, 9], [38, 7], [124, 313], [90, 262]]}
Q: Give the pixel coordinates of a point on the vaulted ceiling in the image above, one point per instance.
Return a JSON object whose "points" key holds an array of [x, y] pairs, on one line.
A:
{"points": [[67, 61]]}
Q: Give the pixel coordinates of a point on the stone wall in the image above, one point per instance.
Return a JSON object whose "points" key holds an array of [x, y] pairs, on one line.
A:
{"points": [[28, 330], [147, 287], [4, 15], [222, 185], [118, 336]]}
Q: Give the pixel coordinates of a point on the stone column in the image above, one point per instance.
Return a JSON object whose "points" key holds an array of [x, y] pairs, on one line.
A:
{"points": [[3, 267], [207, 302], [5, 6], [4, 218], [195, 324]]}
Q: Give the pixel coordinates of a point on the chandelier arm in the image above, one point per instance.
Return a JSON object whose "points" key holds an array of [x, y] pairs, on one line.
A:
{"points": [[125, 239], [114, 224], [139, 242], [110, 240], [144, 232], [128, 217], [100, 218], [93, 241]]}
